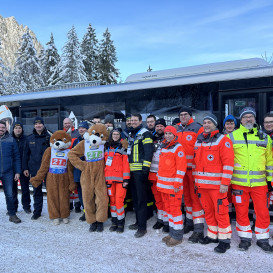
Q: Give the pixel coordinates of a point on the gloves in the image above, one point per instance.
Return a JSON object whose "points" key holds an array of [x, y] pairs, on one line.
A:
{"points": [[269, 186]]}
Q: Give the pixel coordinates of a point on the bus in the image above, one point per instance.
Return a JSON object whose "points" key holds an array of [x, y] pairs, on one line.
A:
{"points": [[221, 88]]}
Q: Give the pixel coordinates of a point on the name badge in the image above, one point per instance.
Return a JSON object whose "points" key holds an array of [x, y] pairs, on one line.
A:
{"points": [[109, 161]]}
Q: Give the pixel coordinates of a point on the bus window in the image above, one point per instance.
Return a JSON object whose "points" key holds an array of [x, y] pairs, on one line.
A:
{"points": [[51, 119]]}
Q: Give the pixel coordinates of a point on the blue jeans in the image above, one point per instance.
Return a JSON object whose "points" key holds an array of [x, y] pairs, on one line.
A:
{"points": [[7, 181]]}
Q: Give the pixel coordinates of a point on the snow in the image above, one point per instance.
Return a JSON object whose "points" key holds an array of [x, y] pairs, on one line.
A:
{"points": [[39, 246]]}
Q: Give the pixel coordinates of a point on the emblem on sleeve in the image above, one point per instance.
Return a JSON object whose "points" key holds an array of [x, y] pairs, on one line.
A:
{"points": [[210, 157], [227, 144], [180, 154], [189, 137]]}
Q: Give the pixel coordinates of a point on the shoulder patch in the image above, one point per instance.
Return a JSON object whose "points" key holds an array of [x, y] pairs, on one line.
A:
{"points": [[189, 137], [180, 154], [227, 144]]}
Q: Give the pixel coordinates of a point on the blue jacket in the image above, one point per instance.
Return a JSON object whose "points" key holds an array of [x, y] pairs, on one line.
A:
{"points": [[9, 155], [35, 147], [77, 172]]}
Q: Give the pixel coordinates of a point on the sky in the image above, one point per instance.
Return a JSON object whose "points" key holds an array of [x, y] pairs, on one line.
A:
{"points": [[156, 33]]}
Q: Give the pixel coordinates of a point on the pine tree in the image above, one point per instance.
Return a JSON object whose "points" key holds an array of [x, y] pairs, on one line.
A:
{"points": [[89, 51], [42, 63], [3, 70], [108, 73], [27, 69], [52, 60], [71, 66]]}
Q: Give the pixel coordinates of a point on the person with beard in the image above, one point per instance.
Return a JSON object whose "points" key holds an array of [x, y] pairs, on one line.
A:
{"points": [[212, 170], [253, 168], [150, 121], [158, 137], [171, 172], [140, 154], [21, 139], [117, 175]]}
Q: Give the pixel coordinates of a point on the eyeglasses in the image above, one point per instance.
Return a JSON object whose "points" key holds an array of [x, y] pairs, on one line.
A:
{"points": [[268, 122], [248, 117]]}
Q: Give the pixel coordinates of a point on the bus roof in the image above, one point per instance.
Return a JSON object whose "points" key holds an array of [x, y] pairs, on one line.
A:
{"points": [[225, 71]]}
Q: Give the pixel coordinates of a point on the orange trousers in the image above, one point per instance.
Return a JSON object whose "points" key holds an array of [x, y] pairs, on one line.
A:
{"points": [[194, 211], [215, 205], [259, 196], [117, 194]]}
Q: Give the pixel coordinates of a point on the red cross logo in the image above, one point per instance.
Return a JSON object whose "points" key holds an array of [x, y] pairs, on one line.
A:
{"points": [[210, 157]]}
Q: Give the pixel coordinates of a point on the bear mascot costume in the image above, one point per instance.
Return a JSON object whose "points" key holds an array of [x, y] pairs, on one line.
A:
{"points": [[59, 172], [94, 190]]}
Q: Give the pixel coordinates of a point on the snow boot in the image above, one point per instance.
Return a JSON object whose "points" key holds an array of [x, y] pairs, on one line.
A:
{"points": [[120, 228], [173, 242], [14, 219], [99, 226], [165, 229], [82, 218], [187, 229], [93, 227], [195, 237], [114, 225], [222, 247], [133, 226], [166, 238], [208, 240], [265, 246], [244, 245], [140, 233], [158, 225]]}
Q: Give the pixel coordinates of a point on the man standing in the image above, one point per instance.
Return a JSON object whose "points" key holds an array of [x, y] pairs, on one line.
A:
{"points": [[252, 172], [151, 123], [187, 132], [158, 137], [36, 145], [67, 123], [10, 162], [21, 139], [140, 153]]}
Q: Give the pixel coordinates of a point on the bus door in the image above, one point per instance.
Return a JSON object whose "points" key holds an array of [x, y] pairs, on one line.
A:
{"points": [[50, 115], [232, 103]]}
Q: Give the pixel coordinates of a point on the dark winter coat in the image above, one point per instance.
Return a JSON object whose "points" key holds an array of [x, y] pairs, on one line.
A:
{"points": [[35, 147], [9, 155]]}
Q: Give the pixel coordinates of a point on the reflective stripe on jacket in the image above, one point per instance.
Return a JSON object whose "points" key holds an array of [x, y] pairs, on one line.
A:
{"points": [[187, 137], [171, 169], [213, 161], [119, 169], [253, 163]]}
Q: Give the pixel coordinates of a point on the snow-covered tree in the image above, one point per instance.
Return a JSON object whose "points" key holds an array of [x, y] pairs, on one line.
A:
{"points": [[89, 51], [52, 60], [3, 83], [71, 66], [15, 84], [42, 63], [108, 73], [27, 68]]}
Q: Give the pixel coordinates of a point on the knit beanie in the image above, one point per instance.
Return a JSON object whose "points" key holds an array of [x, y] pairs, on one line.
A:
{"points": [[247, 110], [185, 109], [212, 118], [160, 121], [38, 120], [171, 129]]}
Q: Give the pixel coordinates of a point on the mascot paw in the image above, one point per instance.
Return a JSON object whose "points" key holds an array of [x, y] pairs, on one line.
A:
{"points": [[34, 183], [73, 186], [124, 143]]}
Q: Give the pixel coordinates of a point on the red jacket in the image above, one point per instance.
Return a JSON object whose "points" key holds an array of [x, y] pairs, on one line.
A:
{"points": [[187, 137], [119, 171], [172, 168], [213, 160]]}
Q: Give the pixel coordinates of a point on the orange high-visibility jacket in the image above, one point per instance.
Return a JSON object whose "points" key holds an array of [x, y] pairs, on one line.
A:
{"points": [[171, 169], [119, 171], [187, 137], [213, 161]]}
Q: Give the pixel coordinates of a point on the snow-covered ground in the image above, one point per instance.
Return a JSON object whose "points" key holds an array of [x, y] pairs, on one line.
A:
{"points": [[39, 246]]}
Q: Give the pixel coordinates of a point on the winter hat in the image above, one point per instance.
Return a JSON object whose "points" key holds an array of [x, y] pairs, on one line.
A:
{"points": [[18, 123], [39, 120], [176, 121], [212, 118], [128, 116], [186, 109], [247, 110], [84, 124], [228, 118], [171, 129], [160, 121], [109, 119]]}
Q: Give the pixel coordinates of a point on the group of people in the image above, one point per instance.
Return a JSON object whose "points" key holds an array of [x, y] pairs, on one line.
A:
{"points": [[184, 163]]}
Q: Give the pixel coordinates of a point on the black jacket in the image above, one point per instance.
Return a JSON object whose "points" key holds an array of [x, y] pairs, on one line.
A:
{"points": [[35, 147]]}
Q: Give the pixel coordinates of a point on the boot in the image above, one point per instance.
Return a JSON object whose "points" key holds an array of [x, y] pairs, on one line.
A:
{"points": [[222, 247], [114, 225], [99, 226], [208, 240], [93, 227], [187, 229], [133, 226], [158, 225], [166, 238], [82, 218], [244, 245], [14, 219], [140, 233], [71, 206], [265, 246], [195, 237], [78, 207], [173, 242], [120, 228], [166, 229]]}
